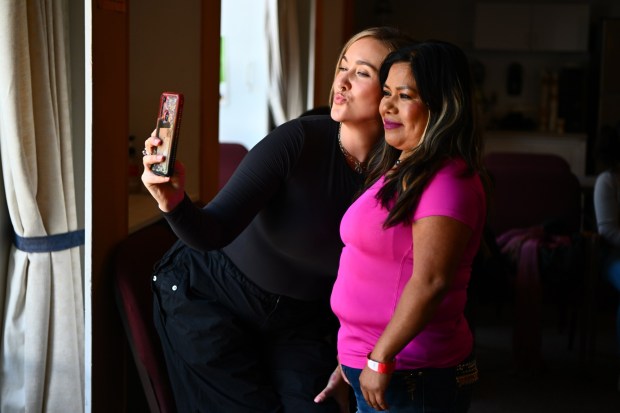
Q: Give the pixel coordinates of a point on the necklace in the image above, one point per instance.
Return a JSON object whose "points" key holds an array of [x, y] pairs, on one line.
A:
{"points": [[359, 167]]}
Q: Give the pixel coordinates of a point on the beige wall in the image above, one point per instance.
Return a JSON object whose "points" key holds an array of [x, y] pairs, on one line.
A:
{"points": [[164, 55], [330, 39], [453, 20]]}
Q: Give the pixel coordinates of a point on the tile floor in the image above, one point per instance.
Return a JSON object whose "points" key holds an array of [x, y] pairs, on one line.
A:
{"points": [[562, 385]]}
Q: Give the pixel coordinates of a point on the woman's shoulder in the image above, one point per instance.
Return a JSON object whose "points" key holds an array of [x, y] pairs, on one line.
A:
{"points": [[608, 175], [318, 123], [607, 178], [305, 126], [455, 173], [320, 132], [453, 167], [290, 139]]}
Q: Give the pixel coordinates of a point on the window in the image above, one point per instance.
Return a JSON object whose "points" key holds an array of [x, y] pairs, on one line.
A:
{"points": [[243, 78]]}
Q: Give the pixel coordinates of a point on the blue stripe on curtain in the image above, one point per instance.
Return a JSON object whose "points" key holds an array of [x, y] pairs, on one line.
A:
{"points": [[50, 243]]}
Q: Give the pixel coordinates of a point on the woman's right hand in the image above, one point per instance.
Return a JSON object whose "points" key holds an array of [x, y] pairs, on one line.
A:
{"points": [[167, 191], [337, 387]]}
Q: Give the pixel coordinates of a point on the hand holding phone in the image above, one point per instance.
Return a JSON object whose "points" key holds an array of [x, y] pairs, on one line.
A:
{"points": [[168, 130]]}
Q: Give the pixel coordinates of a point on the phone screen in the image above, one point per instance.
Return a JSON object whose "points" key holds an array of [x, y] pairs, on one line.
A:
{"points": [[168, 123]]}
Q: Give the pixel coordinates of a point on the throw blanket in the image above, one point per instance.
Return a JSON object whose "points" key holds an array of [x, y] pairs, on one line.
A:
{"points": [[521, 246]]}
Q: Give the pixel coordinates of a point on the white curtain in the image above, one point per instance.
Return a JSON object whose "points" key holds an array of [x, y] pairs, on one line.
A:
{"points": [[41, 353], [289, 37]]}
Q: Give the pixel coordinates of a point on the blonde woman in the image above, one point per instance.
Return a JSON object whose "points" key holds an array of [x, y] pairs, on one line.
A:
{"points": [[243, 315]]}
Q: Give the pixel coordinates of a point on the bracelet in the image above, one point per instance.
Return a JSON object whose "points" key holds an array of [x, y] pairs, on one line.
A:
{"points": [[382, 368]]}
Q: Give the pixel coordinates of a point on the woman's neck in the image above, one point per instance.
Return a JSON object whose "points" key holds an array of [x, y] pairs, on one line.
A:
{"points": [[359, 139]]}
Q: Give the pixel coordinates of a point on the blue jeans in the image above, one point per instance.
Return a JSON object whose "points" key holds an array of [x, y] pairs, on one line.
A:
{"points": [[422, 390], [611, 268]]}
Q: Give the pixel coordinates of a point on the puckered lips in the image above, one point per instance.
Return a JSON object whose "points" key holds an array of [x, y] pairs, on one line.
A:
{"points": [[339, 99]]}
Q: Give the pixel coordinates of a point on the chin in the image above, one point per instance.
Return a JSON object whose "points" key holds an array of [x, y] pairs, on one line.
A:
{"points": [[390, 140], [336, 115]]}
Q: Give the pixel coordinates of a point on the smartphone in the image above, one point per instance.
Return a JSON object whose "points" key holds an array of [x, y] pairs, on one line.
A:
{"points": [[168, 129]]}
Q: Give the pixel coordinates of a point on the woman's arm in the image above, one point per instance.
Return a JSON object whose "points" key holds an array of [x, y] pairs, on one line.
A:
{"points": [[606, 207], [338, 388], [262, 172], [439, 243]]}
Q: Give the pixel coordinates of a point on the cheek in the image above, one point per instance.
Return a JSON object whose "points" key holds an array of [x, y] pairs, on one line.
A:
{"points": [[417, 116], [373, 95], [382, 107], [373, 103]]}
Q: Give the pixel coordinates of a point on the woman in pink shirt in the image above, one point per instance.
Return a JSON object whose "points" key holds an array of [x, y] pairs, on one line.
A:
{"points": [[404, 343]]}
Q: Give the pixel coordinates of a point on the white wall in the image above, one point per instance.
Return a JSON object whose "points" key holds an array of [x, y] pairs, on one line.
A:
{"points": [[155, 38], [79, 111], [5, 243], [164, 55], [454, 21], [76, 41], [243, 106]]}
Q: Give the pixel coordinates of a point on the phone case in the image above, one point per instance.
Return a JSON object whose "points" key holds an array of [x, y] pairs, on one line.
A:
{"points": [[168, 130]]}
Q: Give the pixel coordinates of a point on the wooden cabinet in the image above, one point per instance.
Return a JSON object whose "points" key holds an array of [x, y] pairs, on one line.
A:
{"points": [[532, 27], [571, 147]]}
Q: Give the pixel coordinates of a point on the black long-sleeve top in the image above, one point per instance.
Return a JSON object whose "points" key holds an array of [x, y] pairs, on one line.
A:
{"points": [[278, 216]]}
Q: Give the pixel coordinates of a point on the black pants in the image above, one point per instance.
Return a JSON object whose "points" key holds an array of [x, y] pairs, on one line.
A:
{"points": [[232, 347]]}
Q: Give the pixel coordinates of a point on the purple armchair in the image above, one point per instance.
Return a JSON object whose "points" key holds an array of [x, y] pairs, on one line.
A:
{"points": [[535, 212], [532, 189]]}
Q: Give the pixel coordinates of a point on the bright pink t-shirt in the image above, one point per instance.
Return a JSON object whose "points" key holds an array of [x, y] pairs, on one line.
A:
{"points": [[376, 263]]}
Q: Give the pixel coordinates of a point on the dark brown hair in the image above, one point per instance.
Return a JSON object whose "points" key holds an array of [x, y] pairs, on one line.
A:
{"points": [[442, 74]]}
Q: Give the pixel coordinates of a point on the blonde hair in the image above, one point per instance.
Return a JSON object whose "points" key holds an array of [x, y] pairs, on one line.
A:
{"points": [[390, 37]]}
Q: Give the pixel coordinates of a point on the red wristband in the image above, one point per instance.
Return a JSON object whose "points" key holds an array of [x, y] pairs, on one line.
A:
{"points": [[383, 368]]}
